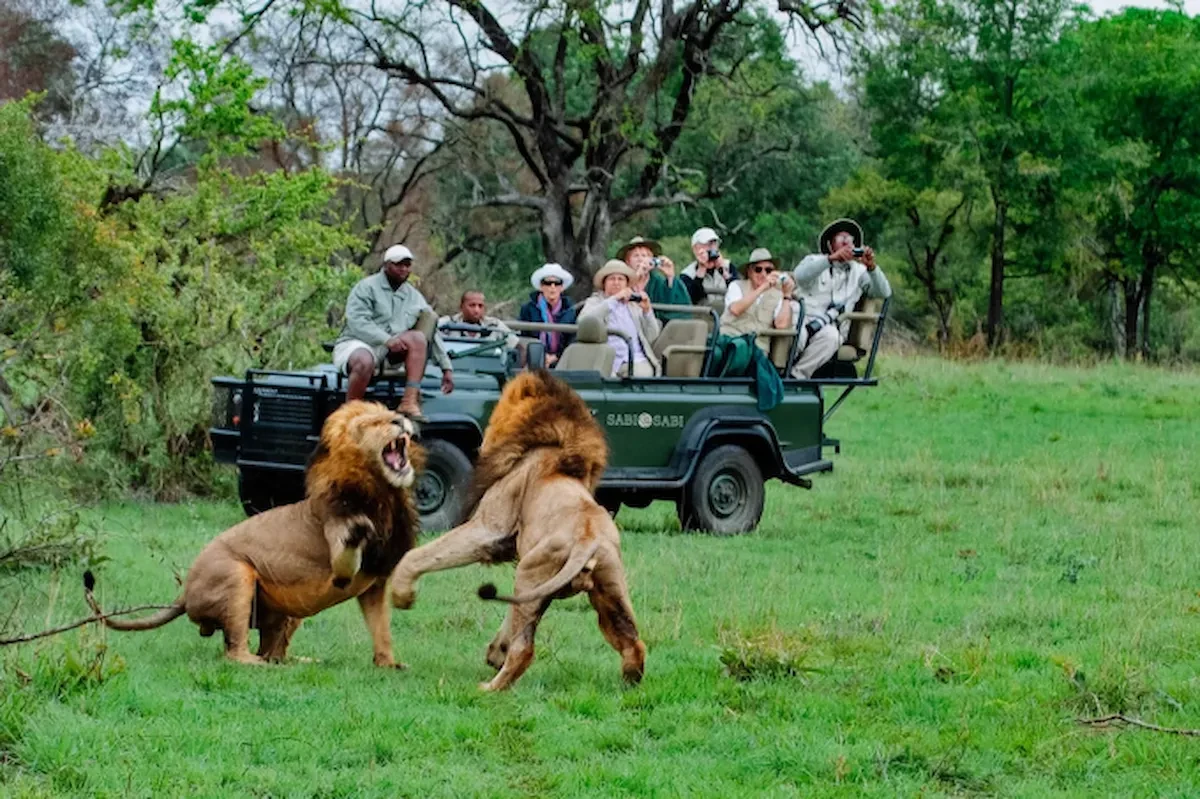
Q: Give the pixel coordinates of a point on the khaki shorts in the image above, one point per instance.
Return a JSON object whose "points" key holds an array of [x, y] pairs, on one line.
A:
{"points": [[344, 349]]}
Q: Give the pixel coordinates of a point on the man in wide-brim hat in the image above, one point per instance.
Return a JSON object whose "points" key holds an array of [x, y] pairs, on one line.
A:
{"points": [[381, 312], [760, 300], [655, 273], [620, 307], [831, 281]]}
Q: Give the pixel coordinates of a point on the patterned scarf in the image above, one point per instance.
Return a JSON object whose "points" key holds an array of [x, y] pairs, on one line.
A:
{"points": [[549, 340]]}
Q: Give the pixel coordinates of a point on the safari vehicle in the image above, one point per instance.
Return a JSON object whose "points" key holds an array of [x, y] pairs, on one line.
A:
{"points": [[700, 442]]}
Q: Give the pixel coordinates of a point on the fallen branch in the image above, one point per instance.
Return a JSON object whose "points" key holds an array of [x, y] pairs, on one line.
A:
{"points": [[1121, 718], [93, 618]]}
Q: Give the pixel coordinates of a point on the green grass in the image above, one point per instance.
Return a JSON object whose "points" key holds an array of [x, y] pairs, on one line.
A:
{"points": [[1001, 549]]}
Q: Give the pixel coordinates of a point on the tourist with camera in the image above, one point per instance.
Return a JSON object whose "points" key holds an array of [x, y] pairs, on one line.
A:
{"points": [[831, 282], [654, 275], [761, 300], [711, 273], [624, 308]]}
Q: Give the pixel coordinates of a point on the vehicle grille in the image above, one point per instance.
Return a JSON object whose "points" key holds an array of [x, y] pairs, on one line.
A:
{"points": [[280, 426]]}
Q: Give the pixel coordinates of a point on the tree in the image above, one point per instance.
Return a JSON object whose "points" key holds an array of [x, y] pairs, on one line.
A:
{"points": [[961, 77], [604, 92], [1138, 77]]}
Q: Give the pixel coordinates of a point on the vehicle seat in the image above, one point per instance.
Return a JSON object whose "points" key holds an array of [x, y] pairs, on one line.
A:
{"points": [[681, 347], [590, 352], [426, 323], [715, 299], [862, 331]]}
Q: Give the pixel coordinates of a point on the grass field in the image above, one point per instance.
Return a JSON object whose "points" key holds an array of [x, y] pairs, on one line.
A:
{"points": [[1001, 550]]}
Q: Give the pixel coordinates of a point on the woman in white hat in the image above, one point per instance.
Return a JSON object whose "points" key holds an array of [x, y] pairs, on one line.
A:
{"points": [[548, 303], [621, 309]]}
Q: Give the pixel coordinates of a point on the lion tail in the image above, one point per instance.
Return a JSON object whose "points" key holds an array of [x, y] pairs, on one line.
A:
{"points": [[581, 553], [147, 623]]}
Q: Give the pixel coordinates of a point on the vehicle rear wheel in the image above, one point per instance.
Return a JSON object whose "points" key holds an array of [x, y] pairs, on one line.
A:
{"points": [[441, 490], [263, 489], [725, 495]]}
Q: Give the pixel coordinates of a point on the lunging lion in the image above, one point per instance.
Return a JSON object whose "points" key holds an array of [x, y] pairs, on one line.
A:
{"points": [[343, 540], [541, 459]]}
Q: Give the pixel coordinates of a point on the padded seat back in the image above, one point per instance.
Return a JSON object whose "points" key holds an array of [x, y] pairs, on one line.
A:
{"points": [[862, 332], [590, 352], [681, 345]]}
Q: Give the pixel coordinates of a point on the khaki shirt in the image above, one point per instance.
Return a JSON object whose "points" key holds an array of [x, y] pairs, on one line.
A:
{"points": [[375, 312]]}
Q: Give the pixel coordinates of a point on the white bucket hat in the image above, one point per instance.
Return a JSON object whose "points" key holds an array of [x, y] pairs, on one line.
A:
{"points": [[551, 270], [705, 235], [397, 253]]}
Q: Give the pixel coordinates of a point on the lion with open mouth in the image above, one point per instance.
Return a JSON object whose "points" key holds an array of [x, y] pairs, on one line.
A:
{"points": [[342, 541]]}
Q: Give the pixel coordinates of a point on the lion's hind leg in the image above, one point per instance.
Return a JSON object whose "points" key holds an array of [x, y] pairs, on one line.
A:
{"points": [[240, 587], [610, 598], [275, 636]]}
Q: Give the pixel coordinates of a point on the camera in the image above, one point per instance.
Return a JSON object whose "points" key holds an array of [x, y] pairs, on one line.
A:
{"points": [[636, 297], [858, 252], [829, 317], [655, 262], [713, 255]]}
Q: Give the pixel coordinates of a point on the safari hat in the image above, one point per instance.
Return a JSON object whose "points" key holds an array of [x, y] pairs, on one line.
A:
{"points": [[825, 240], [638, 241], [613, 267], [397, 253], [551, 270], [758, 255]]}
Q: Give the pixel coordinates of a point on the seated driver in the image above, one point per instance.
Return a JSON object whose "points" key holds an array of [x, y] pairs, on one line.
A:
{"points": [[380, 314], [472, 310]]}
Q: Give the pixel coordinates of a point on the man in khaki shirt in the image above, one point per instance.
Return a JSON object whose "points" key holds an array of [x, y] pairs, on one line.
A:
{"points": [[380, 314]]}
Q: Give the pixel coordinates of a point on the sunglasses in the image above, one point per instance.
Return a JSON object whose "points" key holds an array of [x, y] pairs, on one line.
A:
{"points": [[761, 269], [552, 282]]}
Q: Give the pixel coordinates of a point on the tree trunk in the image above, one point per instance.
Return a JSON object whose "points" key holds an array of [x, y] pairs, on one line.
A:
{"points": [[1114, 318], [1145, 289], [1132, 309], [995, 317]]}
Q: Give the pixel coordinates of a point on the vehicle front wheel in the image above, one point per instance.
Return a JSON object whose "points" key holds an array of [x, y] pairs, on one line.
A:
{"points": [[441, 489], [725, 495]]}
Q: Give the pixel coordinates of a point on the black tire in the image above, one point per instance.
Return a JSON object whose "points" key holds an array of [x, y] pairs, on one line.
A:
{"points": [[441, 490], [263, 489], [725, 495]]}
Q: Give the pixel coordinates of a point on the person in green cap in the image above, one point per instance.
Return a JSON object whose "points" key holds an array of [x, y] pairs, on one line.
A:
{"points": [[655, 275]]}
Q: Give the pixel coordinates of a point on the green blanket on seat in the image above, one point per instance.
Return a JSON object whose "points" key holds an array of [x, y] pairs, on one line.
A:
{"points": [[736, 356]]}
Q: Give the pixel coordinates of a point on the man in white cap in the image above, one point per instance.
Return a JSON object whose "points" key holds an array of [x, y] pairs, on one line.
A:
{"points": [[380, 314], [711, 273], [831, 282]]}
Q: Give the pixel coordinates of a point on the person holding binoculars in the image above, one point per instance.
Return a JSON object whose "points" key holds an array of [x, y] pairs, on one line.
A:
{"points": [[831, 282]]}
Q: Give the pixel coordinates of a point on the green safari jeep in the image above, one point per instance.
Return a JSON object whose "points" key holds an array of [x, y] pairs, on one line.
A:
{"points": [[698, 441]]}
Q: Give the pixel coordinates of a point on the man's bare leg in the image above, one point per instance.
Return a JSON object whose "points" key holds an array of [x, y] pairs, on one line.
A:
{"points": [[360, 367]]}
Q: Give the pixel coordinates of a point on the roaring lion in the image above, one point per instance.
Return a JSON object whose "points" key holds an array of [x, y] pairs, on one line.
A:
{"points": [[343, 540], [541, 459]]}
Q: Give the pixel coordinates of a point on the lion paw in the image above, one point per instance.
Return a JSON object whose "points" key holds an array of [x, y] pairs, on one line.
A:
{"points": [[347, 563], [403, 599], [388, 662]]}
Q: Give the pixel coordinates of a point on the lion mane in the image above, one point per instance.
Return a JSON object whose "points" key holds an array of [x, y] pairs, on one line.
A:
{"points": [[537, 410]]}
